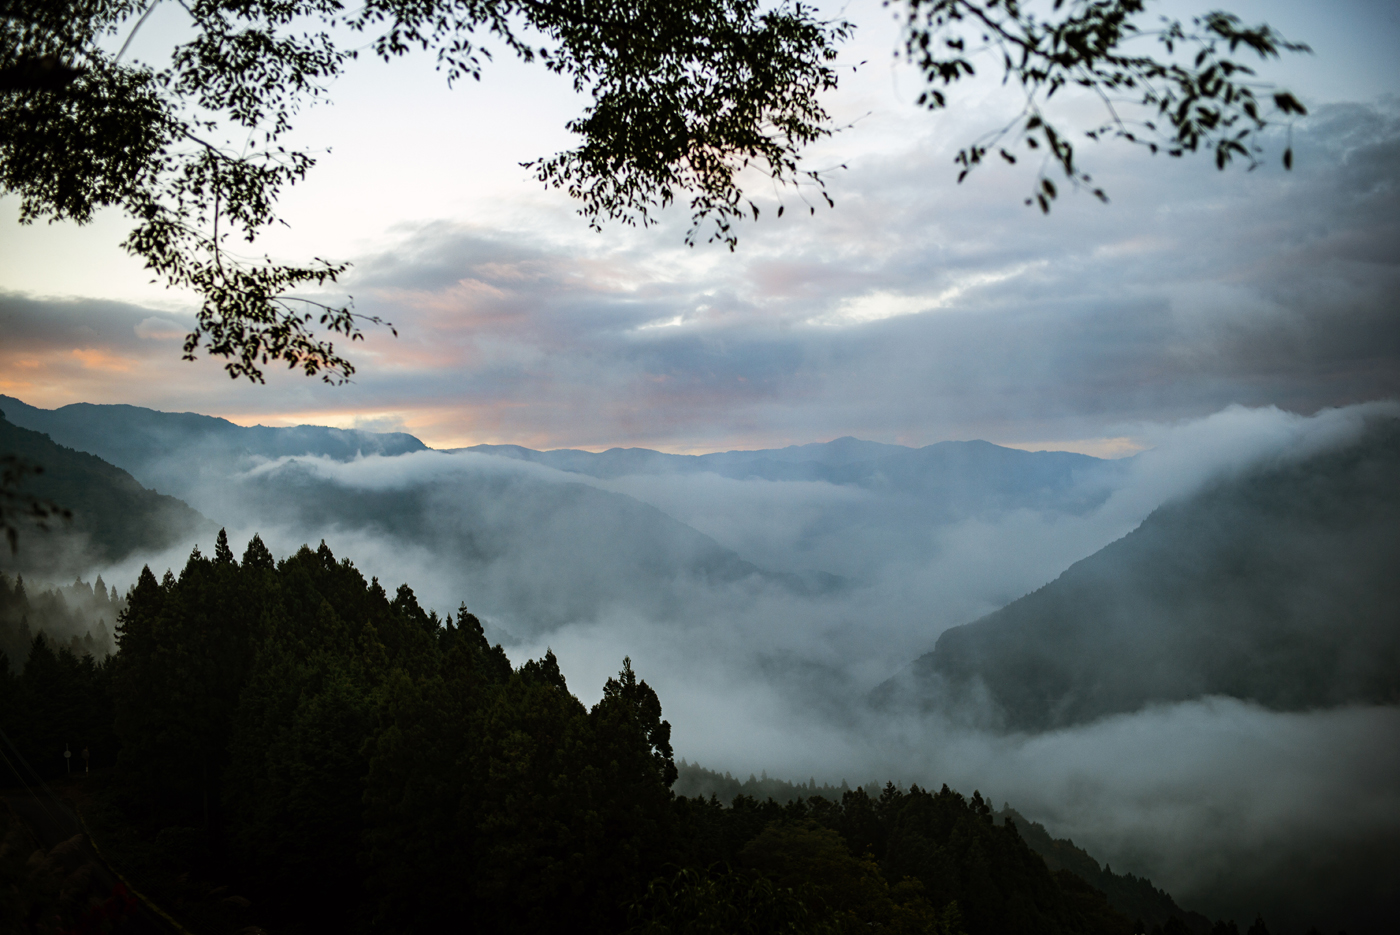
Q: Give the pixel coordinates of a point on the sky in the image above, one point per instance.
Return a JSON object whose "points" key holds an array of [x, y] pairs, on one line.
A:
{"points": [[916, 310]]}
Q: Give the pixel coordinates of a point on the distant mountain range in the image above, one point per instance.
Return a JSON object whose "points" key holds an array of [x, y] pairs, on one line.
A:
{"points": [[540, 549], [176, 452], [1280, 587], [953, 478]]}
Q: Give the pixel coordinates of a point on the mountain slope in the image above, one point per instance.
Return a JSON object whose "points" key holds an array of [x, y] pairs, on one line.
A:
{"points": [[113, 515], [1131, 895], [1281, 587], [173, 450], [532, 550]]}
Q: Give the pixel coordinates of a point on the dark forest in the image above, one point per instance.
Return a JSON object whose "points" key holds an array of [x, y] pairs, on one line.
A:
{"points": [[285, 747]]}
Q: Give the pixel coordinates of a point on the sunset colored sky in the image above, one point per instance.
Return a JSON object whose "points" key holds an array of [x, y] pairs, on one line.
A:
{"points": [[917, 310]]}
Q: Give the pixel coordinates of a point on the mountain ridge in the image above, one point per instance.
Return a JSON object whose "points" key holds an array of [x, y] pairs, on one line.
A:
{"points": [[158, 448], [957, 477], [1277, 587]]}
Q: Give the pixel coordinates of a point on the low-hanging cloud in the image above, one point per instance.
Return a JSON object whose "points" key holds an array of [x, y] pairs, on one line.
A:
{"points": [[1223, 802]]}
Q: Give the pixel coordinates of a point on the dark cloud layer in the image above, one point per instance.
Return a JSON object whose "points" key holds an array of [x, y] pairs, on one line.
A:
{"points": [[1256, 289], [912, 312]]}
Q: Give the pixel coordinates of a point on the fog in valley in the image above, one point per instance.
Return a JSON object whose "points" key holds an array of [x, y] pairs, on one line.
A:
{"points": [[765, 611]]}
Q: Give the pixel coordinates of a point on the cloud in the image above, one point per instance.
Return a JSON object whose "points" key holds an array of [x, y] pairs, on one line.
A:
{"points": [[913, 312], [161, 329], [959, 314]]}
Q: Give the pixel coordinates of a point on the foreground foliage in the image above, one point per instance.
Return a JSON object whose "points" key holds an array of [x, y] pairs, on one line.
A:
{"points": [[685, 98]]}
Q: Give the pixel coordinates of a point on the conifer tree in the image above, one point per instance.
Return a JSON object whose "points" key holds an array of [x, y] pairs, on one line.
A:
{"points": [[257, 555], [223, 555]]}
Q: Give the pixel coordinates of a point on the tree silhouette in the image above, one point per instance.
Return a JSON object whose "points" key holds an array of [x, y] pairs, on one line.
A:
{"points": [[1198, 95], [685, 96]]}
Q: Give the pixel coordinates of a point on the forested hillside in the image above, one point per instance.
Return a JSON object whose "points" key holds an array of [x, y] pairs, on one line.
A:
{"points": [[1278, 587], [80, 616], [1133, 896], [113, 515], [285, 744]]}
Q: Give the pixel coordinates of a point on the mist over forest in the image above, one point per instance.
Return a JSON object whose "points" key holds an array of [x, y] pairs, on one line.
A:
{"points": [[797, 610]]}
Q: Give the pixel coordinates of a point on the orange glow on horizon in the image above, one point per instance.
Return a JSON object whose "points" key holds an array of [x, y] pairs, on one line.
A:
{"points": [[104, 361]]}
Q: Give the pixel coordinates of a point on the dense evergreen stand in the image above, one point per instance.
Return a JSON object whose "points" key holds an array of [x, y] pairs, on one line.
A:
{"points": [[340, 760]]}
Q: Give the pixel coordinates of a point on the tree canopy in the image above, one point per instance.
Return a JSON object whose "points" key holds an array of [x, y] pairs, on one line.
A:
{"points": [[350, 760], [684, 95], [282, 744]]}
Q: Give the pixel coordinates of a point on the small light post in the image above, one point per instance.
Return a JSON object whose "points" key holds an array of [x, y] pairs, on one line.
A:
{"points": [[87, 761], [68, 758]]}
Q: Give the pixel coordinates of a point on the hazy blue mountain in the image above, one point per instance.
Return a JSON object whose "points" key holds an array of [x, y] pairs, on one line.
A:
{"points": [[540, 550], [178, 452], [174, 450], [1280, 587], [956, 477], [113, 515], [531, 550], [617, 462]]}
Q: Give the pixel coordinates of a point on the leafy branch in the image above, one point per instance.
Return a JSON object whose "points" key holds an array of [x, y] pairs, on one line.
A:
{"points": [[687, 93], [1198, 96], [686, 97]]}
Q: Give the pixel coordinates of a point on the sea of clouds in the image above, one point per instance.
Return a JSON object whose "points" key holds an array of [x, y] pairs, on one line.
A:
{"points": [[1225, 804]]}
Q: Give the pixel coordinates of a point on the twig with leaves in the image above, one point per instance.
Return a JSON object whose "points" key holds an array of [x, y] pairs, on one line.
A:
{"points": [[1198, 96]]}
